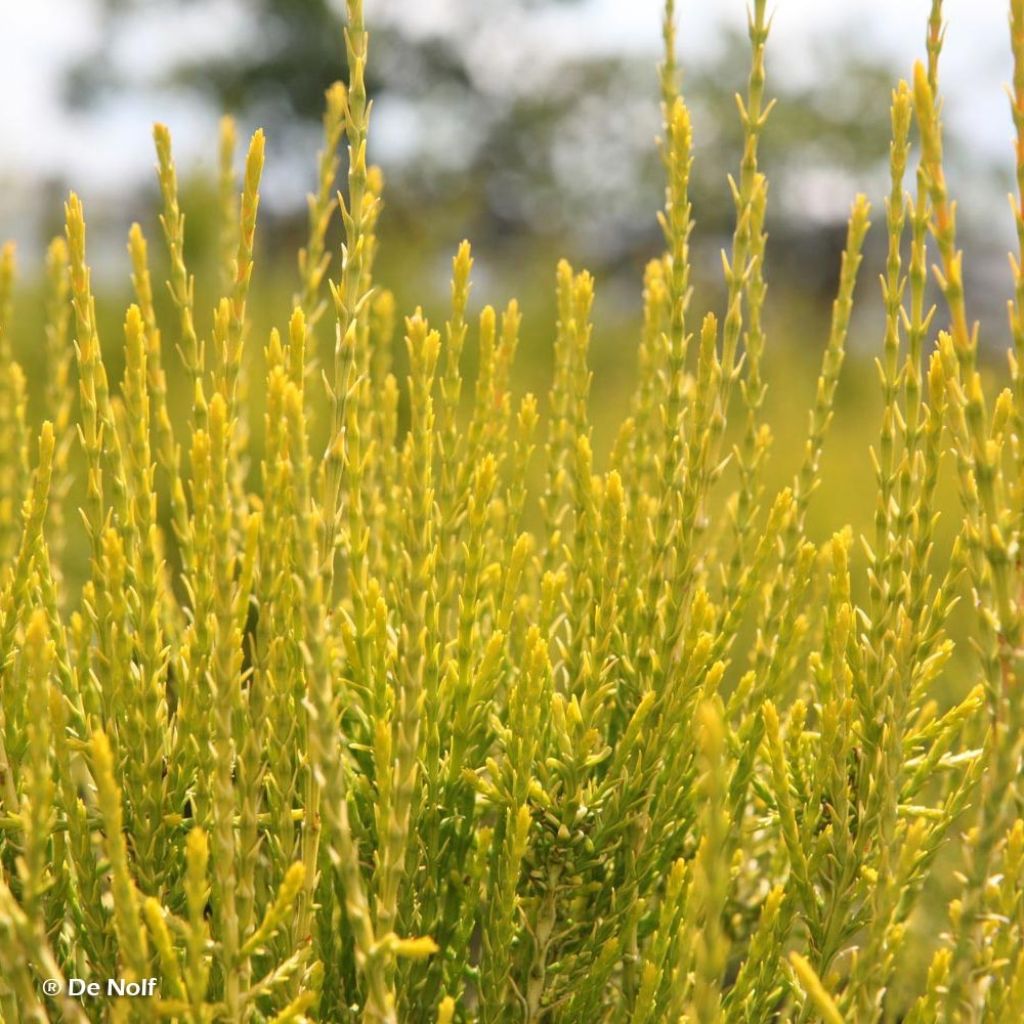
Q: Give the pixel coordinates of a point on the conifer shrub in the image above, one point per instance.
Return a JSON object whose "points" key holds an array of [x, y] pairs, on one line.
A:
{"points": [[381, 730]]}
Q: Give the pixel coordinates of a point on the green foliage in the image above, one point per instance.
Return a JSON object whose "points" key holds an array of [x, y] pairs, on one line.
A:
{"points": [[354, 744]]}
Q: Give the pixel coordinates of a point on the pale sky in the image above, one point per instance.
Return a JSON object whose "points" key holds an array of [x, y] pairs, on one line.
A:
{"points": [[111, 147]]}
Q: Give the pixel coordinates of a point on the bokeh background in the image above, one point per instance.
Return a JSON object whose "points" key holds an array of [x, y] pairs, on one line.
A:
{"points": [[527, 126]]}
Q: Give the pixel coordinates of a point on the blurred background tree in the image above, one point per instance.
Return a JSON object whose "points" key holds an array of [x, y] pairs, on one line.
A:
{"points": [[516, 142]]}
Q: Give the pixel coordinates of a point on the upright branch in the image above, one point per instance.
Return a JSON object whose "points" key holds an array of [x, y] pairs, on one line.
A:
{"points": [[893, 284], [181, 283], [313, 258], [943, 224], [227, 197], [242, 264], [744, 277], [676, 225], [353, 290], [13, 467], [1016, 304]]}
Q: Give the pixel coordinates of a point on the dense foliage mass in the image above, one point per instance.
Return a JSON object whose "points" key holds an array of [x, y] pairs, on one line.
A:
{"points": [[417, 733]]}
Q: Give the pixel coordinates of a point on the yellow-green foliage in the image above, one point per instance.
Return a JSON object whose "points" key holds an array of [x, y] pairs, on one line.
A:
{"points": [[358, 746]]}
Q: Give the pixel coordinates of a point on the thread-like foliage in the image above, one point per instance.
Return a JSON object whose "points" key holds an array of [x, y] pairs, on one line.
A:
{"points": [[363, 746]]}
